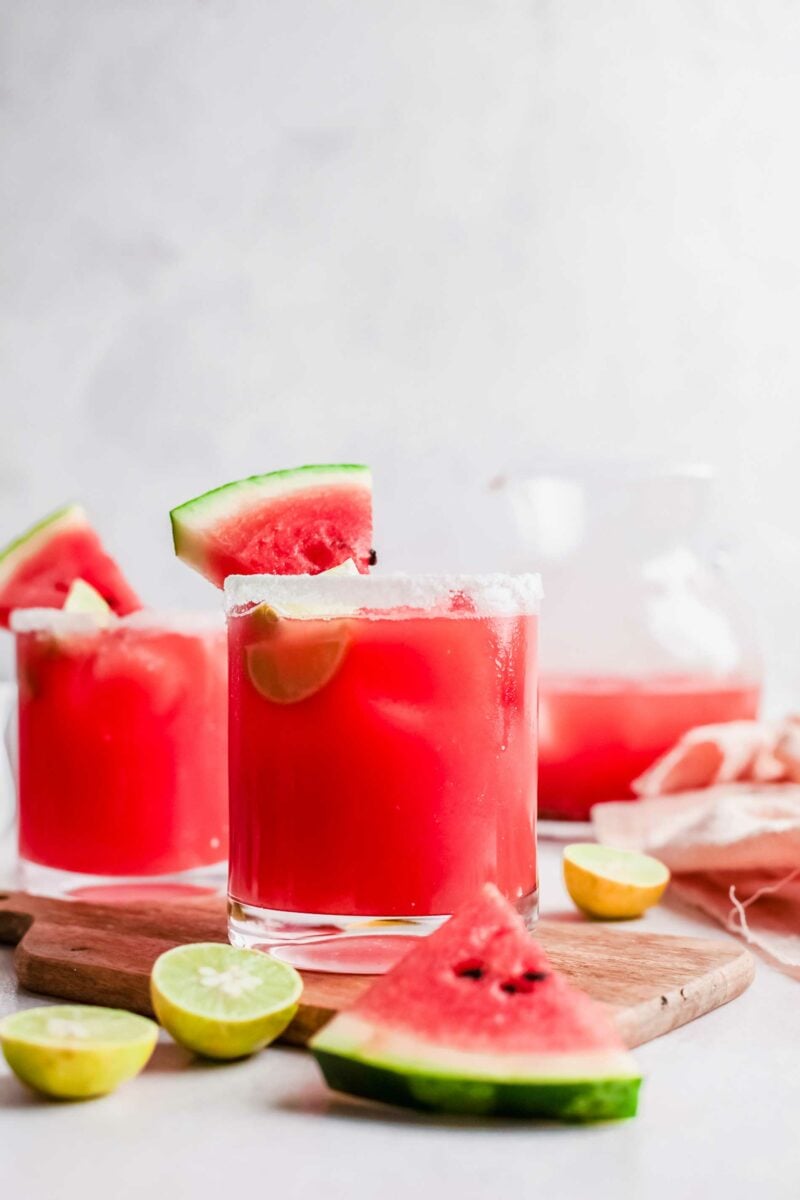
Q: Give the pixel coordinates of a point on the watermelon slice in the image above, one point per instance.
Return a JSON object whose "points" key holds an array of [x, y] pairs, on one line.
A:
{"points": [[297, 522], [475, 1020], [38, 569]]}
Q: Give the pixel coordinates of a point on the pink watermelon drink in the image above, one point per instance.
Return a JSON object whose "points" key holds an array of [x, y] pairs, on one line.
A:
{"points": [[596, 735], [122, 744], [382, 750]]}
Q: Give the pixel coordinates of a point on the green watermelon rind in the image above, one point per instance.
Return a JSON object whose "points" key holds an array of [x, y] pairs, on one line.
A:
{"points": [[574, 1100], [204, 511], [30, 543], [357, 1058], [193, 520]]}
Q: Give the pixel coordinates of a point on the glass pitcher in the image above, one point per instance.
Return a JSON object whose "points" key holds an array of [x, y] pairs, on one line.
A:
{"points": [[643, 636]]}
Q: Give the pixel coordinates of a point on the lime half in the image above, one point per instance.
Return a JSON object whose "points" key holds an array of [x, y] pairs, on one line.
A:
{"points": [[298, 659], [610, 883], [222, 1001], [74, 1051]]}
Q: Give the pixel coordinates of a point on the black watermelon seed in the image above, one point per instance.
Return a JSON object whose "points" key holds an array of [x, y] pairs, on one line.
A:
{"points": [[469, 970]]}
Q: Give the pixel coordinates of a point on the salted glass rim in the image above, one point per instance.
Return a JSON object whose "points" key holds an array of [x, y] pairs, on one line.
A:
{"points": [[55, 620], [395, 593]]}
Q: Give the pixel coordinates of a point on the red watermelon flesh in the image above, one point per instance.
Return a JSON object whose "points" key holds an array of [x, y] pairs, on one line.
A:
{"points": [[474, 1018], [37, 570], [297, 522], [495, 989]]}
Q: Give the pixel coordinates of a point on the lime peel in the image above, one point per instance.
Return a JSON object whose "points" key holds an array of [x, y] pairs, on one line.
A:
{"points": [[610, 883], [76, 1051], [222, 1001]]}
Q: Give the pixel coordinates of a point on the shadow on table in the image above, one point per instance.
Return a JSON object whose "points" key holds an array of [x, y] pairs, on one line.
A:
{"points": [[170, 1059], [14, 1094], [315, 1103]]}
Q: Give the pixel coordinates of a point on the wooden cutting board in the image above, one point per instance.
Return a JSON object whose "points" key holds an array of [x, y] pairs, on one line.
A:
{"points": [[102, 954]]}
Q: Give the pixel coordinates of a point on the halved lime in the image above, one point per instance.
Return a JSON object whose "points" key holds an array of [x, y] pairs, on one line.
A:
{"points": [[298, 659], [74, 1051], [610, 883], [259, 623], [222, 1001]]}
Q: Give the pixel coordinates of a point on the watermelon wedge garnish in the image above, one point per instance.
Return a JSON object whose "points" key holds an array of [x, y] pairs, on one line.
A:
{"points": [[38, 569], [296, 522], [475, 1020]]}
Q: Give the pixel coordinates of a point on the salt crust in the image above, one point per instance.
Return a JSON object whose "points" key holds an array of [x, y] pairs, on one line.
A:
{"points": [[385, 595], [55, 620]]}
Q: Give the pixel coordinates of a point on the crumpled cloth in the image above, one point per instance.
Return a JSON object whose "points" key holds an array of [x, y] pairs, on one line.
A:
{"points": [[732, 837], [735, 750]]}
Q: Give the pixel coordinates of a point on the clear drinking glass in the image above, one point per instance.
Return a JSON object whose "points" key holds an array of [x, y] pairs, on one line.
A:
{"points": [[122, 764], [382, 758], [645, 635]]}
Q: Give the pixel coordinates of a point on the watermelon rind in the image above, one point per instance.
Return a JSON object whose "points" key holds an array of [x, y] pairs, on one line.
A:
{"points": [[193, 520], [38, 568], [573, 1100], [29, 543], [358, 1059]]}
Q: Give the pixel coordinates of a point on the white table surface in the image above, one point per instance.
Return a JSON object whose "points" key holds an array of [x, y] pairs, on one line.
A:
{"points": [[719, 1117]]}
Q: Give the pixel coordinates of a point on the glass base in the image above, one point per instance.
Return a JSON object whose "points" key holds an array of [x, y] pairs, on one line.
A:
{"points": [[354, 945], [119, 889]]}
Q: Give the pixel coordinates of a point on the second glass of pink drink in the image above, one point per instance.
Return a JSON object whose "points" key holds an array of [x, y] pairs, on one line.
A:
{"points": [[122, 752], [382, 758]]}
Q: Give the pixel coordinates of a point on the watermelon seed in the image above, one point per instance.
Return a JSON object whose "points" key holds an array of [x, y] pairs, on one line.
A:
{"points": [[472, 969], [524, 983], [373, 557]]}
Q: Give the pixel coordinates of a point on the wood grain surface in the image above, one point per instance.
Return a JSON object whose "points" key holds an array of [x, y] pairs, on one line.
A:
{"points": [[102, 954]]}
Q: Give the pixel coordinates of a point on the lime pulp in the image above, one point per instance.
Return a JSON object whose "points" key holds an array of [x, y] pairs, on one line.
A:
{"points": [[74, 1051], [222, 1001]]}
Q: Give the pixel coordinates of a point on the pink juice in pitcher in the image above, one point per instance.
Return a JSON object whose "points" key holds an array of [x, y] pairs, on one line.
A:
{"points": [[597, 734], [645, 636]]}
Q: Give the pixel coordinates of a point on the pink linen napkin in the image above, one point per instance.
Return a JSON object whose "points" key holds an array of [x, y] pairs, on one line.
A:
{"points": [[732, 845]]}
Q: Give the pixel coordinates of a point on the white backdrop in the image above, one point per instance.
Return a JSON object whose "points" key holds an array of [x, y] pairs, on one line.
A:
{"points": [[441, 236]]}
